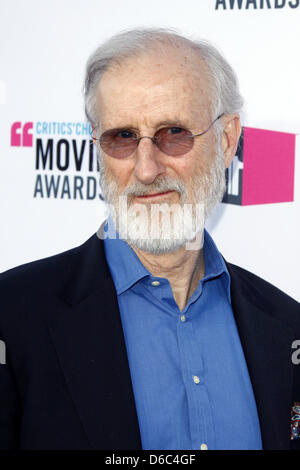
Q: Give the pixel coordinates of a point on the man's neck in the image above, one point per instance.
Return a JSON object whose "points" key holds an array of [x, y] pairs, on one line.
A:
{"points": [[183, 268]]}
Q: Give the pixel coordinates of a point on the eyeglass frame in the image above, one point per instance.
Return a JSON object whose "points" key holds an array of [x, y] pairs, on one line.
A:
{"points": [[138, 139]]}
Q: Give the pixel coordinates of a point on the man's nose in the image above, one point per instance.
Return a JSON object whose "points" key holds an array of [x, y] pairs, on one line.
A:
{"points": [[148, 163]]}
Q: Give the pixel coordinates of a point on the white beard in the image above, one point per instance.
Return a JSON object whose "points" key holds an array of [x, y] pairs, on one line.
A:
{"points": [[163, 228]]}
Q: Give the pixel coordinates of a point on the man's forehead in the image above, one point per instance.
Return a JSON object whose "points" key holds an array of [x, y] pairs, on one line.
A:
{"points": [[166, 113], [168, 87], [152, 69]]}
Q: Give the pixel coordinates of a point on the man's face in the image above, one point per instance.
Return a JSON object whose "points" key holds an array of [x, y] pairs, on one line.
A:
{"points": [[145, 94]]}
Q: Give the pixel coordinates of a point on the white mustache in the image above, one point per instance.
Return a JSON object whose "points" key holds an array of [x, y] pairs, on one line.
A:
{"points": [[139, 189]]}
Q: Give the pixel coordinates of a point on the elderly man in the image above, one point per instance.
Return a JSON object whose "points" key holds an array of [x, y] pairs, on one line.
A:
{"points": [[144, 336]]}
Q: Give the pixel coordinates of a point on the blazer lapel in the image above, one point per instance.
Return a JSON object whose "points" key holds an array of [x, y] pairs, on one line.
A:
{"points": [[266, 343], [86, 329]]}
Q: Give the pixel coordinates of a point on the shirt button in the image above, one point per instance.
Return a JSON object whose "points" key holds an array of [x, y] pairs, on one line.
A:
{"points": [[196, 379], [203, 447], [182, 317], [155, 283]]}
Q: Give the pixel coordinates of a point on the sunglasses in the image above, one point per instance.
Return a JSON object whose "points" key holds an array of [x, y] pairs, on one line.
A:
{"points": [[173, 141]]}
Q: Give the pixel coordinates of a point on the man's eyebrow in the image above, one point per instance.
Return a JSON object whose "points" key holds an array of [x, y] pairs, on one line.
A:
{"points": [[172, 122], [167, 122]]}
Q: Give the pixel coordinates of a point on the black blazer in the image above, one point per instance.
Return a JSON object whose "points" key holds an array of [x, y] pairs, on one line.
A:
{"points": [[66, 381]]}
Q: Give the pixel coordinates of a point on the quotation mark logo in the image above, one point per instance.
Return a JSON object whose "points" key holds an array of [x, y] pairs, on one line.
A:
{"points": [[20, 136]]}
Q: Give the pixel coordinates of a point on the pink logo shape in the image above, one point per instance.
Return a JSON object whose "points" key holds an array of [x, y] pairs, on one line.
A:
{"points": [[15, 136], [23, 138], [27, 138], [269, 165]]}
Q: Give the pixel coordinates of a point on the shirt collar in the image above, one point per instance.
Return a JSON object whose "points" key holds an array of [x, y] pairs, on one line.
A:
{"points": [[125, 266], [127, 269]]}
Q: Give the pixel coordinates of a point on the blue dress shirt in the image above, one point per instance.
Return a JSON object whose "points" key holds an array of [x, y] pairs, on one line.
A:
{"points": [[190, 380]]}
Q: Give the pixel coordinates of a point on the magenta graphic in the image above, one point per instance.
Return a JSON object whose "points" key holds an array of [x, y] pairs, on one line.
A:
{"points": [[20, 136], [263, 169]]}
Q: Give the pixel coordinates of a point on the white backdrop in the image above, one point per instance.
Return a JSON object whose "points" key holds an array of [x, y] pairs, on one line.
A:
{"points": [[43, 50]]}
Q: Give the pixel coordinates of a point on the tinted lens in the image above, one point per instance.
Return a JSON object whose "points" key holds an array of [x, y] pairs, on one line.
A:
{"points": [[174, 141], [118, 143]]}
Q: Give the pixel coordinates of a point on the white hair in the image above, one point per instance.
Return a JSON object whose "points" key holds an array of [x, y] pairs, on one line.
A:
{"points": [[224, 91]]}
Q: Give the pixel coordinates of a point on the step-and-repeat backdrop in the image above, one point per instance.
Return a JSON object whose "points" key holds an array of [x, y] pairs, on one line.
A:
{"points": [[50, 199]]}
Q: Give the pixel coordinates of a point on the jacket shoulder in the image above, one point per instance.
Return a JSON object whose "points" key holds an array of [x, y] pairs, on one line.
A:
{"points": [[263, 293], [46, 269], [27, 290], [51, 273]]}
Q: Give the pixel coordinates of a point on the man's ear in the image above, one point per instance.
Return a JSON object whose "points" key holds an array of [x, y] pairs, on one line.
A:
{"points": [[230, 136]]}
